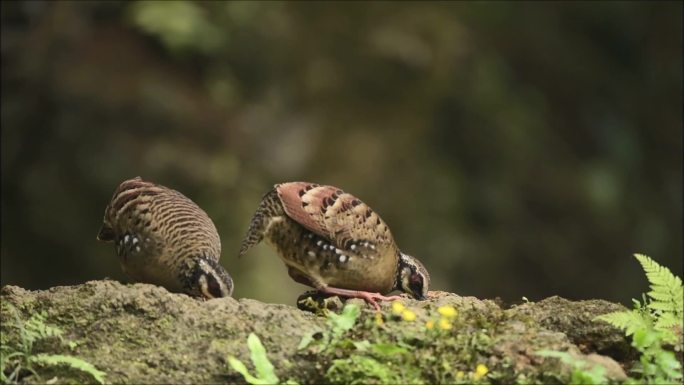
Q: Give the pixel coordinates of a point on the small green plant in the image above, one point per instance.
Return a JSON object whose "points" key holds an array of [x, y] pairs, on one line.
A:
{"points": [[340, 323], [361, 370], [265, 372], [21, 356], [655, 324], [402, 346], [368, 362], [337, 324], [583, 372]]}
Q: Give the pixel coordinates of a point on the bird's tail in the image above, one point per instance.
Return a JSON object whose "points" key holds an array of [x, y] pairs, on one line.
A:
{"points": [[269, 208]]}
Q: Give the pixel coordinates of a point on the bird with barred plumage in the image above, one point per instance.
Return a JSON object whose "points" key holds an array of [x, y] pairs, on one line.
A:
{"points": [[162, 237]]}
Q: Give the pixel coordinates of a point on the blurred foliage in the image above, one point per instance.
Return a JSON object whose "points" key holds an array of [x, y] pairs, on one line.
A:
{"points": [[517, 148]]}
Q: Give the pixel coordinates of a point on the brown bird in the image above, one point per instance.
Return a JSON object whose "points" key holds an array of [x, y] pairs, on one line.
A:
{"points": [[332, 241], [164, 238]]}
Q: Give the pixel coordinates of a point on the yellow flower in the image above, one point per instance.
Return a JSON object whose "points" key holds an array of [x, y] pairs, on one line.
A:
{"points": [[460, 374], [445, 324], [480, 371], [447, 311], [378, 319], [429, 325], [408, 315], [397, 307]]}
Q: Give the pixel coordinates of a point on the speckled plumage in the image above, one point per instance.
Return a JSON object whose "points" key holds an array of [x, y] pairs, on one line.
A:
{"points": [[164, 238], [329, 238]]}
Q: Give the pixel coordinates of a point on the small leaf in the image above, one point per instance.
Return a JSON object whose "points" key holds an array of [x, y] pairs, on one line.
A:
{"points": [[669, 364], [264, 368], [239, 367], [387, 349], [362, 346], [629, 321], [594, 376], [73, 362], [344, 321], [306, 340]]}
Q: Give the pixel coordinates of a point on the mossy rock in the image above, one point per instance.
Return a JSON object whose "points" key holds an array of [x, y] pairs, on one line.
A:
{"points": [[141, 333]]}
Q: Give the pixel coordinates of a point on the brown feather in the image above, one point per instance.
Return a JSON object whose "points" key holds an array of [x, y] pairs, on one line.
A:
{"points": [[333, 214], [326, 237]]}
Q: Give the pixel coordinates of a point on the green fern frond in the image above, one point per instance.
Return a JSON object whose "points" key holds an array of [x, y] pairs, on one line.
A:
{"points": [[670, 327], [20, 355], [37, 329], [666, 321], [629, 321], [73, 362], [654, 324], [667, 291]]}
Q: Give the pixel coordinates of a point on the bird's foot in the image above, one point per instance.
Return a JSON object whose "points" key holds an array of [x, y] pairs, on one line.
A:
{"points": [[372, 297], [368, 296]]}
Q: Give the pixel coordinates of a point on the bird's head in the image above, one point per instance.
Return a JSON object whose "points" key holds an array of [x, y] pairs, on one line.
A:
{"points": [[207, 278], [412, 277]]}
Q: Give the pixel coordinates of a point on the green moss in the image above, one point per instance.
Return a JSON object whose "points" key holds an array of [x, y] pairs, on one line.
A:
{"points": [[144, 334], [399, 351], [480, 344]]}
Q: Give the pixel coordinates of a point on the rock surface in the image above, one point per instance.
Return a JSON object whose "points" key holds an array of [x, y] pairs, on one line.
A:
{"points": [[141, 333]]}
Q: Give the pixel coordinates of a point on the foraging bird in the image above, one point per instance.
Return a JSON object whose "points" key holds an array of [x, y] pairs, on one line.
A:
{"points": [[164, 238], [332, 241]]}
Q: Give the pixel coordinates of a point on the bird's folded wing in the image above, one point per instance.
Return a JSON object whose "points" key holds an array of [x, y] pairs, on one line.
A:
{"points": [[340, 217]]}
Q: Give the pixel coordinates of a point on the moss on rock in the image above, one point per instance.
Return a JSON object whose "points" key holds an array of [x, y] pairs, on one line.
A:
{"points": [[143, 334]]}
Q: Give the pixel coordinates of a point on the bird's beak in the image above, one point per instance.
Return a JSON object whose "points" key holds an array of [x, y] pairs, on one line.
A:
{"points": [[106, 234]]}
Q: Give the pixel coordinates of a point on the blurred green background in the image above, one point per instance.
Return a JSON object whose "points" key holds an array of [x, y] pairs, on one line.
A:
{"points": [[518, 149]]}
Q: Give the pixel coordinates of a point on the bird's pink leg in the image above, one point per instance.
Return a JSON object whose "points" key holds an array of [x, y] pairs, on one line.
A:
{"points": [[369, 297]]}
